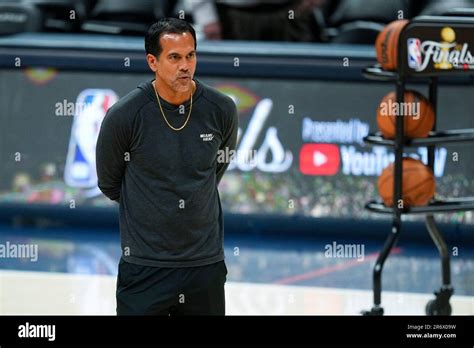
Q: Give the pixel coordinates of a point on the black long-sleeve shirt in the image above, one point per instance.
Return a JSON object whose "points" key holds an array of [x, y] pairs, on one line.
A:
{"points": [[164, 180]]}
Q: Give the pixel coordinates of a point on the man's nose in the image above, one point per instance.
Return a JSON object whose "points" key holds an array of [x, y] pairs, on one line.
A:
{"points": [[184, 66]]}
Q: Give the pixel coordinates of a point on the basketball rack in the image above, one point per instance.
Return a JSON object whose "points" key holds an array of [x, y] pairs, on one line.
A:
{"points": [[423, 28]]}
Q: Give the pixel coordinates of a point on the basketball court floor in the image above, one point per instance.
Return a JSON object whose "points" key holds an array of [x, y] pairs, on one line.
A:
{"points": [[75, 274]]}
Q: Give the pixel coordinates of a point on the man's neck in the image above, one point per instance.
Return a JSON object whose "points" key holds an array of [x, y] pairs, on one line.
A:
{"points": [[174, 98]]}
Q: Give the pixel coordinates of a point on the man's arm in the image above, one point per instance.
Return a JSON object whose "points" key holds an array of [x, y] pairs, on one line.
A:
{"points": [[230, 139], [111, 154], [205, 15]]}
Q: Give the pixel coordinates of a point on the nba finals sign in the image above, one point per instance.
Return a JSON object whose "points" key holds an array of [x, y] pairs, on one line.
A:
{"points": [[447, 53]]}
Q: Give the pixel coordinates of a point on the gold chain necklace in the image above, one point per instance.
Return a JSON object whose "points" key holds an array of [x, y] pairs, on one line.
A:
{"points": [[189, 114]]}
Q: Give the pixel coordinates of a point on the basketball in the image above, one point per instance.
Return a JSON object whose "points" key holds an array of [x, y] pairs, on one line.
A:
{"points": [[416, 110], [386, 44], [418, 183]]}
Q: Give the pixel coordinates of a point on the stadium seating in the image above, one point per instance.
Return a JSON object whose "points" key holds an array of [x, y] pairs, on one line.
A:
{"points": [[16, 18], [62, 15], [339, 21], [122, 17], [359, 21], [443, 7]]}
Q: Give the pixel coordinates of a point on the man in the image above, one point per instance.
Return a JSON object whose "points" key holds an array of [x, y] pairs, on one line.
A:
{"points": [[276, 20], [157, 156]]}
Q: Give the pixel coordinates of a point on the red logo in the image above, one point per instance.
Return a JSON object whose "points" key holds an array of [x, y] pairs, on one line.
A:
{"points": [[319, 159]]}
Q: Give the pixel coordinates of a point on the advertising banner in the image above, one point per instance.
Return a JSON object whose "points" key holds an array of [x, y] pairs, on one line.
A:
{"points": [[304, 141]]}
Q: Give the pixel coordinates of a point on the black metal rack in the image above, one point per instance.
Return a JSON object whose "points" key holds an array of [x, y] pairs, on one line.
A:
{"points": [[423, 28]]}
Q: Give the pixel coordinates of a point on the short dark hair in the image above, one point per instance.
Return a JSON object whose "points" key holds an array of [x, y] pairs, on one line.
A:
{"points": [[165, 26]]}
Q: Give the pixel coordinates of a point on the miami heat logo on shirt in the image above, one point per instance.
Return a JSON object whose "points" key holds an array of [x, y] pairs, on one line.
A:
{"points": [[207, 136]]}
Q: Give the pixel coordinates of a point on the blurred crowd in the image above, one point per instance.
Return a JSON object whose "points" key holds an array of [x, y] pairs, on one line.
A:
{"points": [[331, 21], [257, 193], [325, 196]]}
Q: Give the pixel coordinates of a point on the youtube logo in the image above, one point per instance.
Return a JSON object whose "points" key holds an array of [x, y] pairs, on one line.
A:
{"points": [[319, 159]]}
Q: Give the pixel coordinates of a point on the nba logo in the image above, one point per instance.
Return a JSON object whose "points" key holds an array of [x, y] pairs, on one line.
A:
{"points": [[414, 53], [91, 107]]}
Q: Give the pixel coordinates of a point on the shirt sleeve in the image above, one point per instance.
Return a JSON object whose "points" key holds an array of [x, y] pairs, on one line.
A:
{"points": [[111, 153], [230, 139], [204, 12]]}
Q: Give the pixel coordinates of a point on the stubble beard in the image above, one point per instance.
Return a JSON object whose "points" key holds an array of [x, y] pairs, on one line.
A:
{"points": [[182, 86]]}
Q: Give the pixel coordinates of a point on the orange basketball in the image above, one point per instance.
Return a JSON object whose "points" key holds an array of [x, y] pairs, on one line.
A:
{"points": [[386, 44], [418, 183], [416, 110]]}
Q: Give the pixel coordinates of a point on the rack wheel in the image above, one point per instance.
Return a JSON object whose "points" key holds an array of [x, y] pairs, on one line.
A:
{"points": [[375, 311], [433, 307]]}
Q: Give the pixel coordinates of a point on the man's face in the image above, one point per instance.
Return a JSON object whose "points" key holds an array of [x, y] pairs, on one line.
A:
{"points": [[177, 62]]}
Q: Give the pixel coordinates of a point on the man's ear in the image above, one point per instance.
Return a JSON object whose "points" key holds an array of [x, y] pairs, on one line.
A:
{"points": [[152, 62]]}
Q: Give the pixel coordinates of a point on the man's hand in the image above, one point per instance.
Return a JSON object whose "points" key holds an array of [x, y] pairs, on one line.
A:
{"points": [[213, 31], [309, 5]]}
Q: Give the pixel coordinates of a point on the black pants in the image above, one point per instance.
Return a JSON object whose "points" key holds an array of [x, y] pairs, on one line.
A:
{"points": [[144, 290], [268, 22]]}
